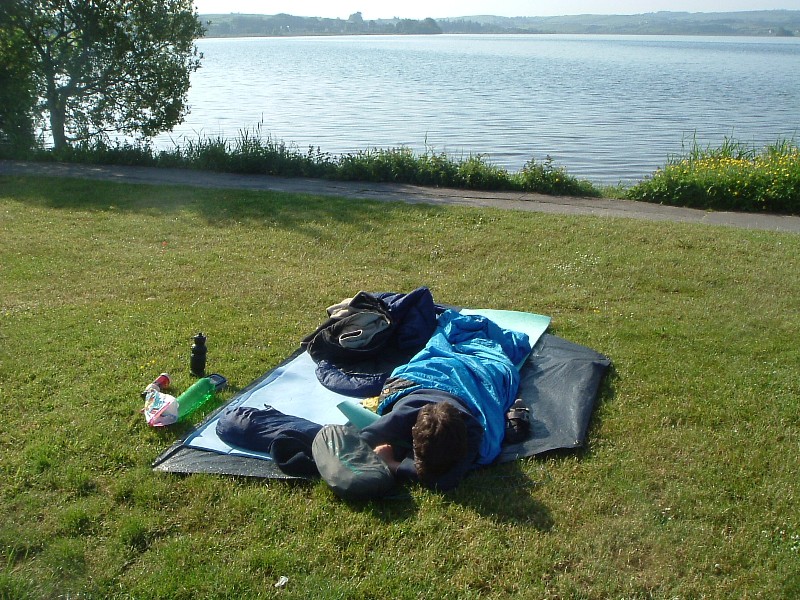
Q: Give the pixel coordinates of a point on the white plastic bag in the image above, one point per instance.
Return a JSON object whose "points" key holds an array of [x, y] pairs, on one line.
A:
{"points": [[160, 409]]}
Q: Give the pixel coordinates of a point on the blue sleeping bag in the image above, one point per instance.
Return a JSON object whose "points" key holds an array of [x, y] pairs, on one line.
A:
{"points": [[474, 359]]}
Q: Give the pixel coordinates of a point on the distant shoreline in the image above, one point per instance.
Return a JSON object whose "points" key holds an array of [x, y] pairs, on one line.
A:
{"points": [[766, 23]]}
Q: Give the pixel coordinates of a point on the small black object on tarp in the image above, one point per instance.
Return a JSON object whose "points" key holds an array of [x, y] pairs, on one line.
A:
{"points": [[518, 422]]}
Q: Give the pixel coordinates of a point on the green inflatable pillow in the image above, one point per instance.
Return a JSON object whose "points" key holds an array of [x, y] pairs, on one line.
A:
{"points": [[348, 464]]}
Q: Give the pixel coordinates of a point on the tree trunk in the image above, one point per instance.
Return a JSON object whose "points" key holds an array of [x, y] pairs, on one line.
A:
{"points": [[57, 108]]}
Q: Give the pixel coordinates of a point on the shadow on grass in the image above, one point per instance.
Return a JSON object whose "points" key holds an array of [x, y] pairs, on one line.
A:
{"points": [[504, 493], [302, 213], [605, 395], [501, 493]]}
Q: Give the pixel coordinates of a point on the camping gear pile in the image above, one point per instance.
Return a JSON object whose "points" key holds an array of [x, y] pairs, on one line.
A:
{"points": [[287, 423]]}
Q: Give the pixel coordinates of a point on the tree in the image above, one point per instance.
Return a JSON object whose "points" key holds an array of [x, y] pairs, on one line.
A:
{"points": [[17, 94], [411, 26], [102, 66]]}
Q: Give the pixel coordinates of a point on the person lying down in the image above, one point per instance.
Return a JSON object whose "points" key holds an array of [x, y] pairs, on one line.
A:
{"points": [[428, 437], [441, 414], [444, 412]]}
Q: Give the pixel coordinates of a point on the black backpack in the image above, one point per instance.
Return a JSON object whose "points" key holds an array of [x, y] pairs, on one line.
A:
{"points": [[325, 343]]}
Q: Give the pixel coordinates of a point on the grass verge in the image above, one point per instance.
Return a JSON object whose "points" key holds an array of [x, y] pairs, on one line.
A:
{"points": [[687, 488], [734, 176]]}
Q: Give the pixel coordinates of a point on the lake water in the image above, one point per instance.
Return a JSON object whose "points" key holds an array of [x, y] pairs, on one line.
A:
{"points": [[607, 108]]}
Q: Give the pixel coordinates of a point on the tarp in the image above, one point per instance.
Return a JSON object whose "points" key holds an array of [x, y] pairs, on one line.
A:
{"points": [[559, 383]]}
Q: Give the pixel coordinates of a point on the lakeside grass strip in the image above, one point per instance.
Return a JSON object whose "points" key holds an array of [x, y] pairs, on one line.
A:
{"points": [[253, 153], [687, 487], [734, 176]]}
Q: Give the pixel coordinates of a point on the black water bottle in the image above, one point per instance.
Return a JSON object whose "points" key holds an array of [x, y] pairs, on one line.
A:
{"points": [[197, 360]]}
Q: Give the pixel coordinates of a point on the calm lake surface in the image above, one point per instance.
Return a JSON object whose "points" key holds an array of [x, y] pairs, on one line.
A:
{"points": [[607, 108]]}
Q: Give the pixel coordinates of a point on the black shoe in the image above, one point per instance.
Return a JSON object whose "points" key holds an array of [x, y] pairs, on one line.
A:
{"points": [[518, 423]]}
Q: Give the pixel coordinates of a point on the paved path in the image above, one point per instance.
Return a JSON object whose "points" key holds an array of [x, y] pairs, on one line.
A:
{"points": [[408, 193]]}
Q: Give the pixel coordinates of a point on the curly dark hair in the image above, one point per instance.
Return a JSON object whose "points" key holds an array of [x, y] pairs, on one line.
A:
{"points": [[439, 438]]}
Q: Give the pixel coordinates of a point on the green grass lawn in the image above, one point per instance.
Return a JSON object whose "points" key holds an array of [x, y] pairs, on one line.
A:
{"points": [[688, 487]]}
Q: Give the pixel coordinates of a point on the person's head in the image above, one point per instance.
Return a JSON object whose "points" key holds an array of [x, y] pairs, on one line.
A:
{"points": [[439, 437]]}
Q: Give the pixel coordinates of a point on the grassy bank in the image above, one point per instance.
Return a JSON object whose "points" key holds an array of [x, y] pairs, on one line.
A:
{"points": [[688, 487], [734, 176], [253, 154]]}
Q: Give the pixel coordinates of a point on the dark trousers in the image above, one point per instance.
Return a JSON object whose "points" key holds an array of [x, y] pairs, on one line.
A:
{"points": [[286, 438]]}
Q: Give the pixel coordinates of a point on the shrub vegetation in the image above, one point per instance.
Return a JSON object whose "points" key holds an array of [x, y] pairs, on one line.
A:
{"points": [[251, 153], [731, 177]]}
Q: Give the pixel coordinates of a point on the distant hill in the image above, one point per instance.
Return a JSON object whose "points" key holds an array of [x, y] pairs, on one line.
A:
{"points": [[779, 23], [755, 23]]}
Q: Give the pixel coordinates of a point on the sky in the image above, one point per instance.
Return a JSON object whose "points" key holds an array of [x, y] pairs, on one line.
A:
{"points": [[420, 9]]}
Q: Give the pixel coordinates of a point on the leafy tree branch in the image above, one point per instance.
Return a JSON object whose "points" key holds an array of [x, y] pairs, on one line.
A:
{"points": [[101, 66]]}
